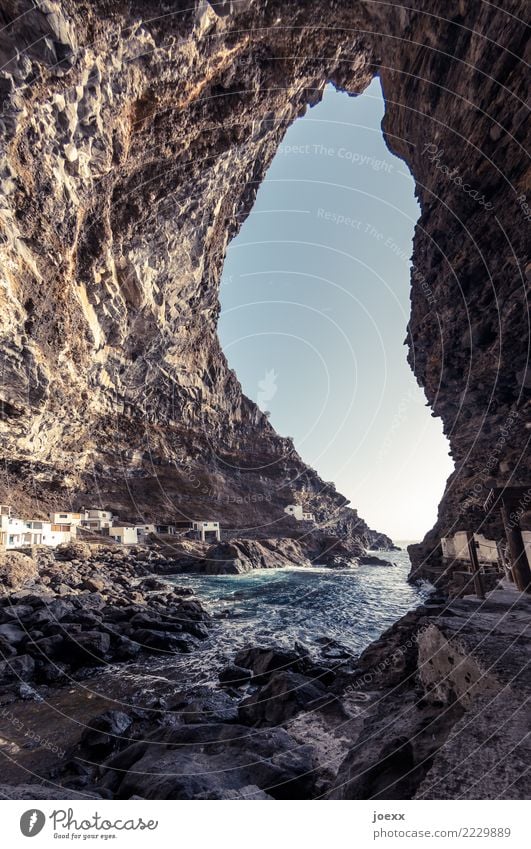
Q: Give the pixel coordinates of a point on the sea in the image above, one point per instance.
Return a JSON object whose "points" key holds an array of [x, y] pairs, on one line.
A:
{"points": [[326, 610]]}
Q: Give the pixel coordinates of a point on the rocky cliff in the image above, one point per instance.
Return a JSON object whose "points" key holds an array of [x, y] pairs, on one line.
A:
{"points": [[134, 138]]}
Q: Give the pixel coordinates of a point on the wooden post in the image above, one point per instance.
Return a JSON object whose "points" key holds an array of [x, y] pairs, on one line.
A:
{"points": [[473, 553], [519, 562]]}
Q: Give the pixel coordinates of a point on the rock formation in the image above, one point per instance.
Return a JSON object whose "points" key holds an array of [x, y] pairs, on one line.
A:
{"points": [[134, 138]]}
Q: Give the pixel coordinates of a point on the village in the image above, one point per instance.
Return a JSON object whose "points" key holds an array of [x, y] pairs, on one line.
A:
{"points": [[471, 561], [65, 526]]}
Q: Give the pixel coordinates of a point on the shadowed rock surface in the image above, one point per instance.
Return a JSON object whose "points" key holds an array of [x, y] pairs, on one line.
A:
{"points": [[450, 720], [134, 140]]}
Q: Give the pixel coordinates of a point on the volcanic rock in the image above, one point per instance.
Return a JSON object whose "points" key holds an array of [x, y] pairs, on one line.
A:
{"points": [[192, 760], [17, 569], [285, 694]]}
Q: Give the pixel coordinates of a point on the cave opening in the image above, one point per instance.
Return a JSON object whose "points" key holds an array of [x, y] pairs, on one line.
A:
{"points": [[315, 306]]}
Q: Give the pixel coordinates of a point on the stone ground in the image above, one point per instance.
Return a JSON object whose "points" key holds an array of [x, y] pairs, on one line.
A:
{"points": [[455, 723]]}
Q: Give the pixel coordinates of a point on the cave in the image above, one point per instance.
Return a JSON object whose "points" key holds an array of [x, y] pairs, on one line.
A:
{"points": [[142, 148], [135, 137]]}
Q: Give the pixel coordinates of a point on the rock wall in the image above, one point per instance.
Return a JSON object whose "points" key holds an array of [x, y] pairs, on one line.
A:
{"points": [[134, 139]]}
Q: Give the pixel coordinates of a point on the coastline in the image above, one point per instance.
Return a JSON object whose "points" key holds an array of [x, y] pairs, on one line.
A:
{"points": [[384, 724]]}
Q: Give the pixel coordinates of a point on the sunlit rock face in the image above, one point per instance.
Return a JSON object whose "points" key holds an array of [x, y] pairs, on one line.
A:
{"points": [[134, 138]]}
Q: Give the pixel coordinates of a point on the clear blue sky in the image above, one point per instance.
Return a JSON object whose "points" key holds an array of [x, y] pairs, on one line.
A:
{"points": [[315, 303]]}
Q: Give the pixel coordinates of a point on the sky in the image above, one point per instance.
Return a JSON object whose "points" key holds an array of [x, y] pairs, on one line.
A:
{"points": [[315, 304]]}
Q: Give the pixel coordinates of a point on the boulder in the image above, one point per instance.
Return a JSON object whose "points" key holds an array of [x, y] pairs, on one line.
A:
{"points": [[51, 673], [285, 695], [12, 633], [90, 618], [151, 585], [373, 560], [224, 558], [210, 760], [51, 612], [63, 589], [190, 611], [94, 585], [263, 661], [74, 550], [33, 596], [86, 648], [202, 703], [15, 613], [43, 555], [104, 733], [47, 647], [147, 619], [196, 629], [6, 649], [135, 597], [17, 570], [336, 552], [124, 649], [162, 640], [17, 668], [235, 676], [223, 551], [181, 591], [321, 673]]}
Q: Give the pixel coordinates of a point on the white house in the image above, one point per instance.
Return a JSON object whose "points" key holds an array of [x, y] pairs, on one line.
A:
{"points": [[204, 528], [125, 535], [200, 527], [21, 533], [66, 518], [145, 530], [297, 512], [526, 538], [96, 520], [54, 533], [5, 513]]}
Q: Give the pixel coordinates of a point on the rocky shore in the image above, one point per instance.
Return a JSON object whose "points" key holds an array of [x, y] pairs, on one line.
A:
{"points": [[86, 609], [238, 556], [407, 718], [90, 605]]}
